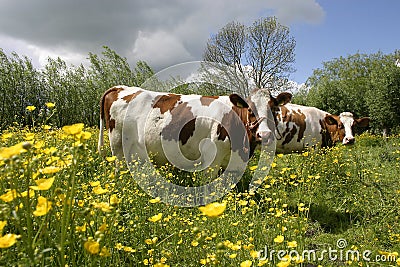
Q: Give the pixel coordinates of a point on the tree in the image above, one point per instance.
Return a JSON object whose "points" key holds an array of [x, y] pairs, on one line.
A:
{"points": [[261, 54], [20, 87], [366, 85], [383, 98]]}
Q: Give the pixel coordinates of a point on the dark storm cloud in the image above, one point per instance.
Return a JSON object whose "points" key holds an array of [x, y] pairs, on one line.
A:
{"points": [[160, 32]]}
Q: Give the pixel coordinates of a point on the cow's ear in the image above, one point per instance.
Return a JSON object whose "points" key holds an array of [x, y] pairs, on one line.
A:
{"points": [[284, 98], [331, 120], [238, 101], [362, 122]]}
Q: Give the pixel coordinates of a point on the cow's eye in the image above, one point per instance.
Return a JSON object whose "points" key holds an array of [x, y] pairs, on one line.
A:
{"points": [[340, 126]]}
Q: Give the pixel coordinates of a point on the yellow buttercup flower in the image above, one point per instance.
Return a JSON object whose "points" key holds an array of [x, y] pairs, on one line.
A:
{"points": [[73, 129], [95, 183], [213, 209], [29, 136], [155, 218], [253, 168], [111, 159], [43, 184], [86, 135], [8, 240], [292, 244], [9, 152], [50, 105], [114, 200], [92, 247], [246, 263], [30, 108], [254, 254], [104, 252], [155, 200], [81, 228], [98, 190], [103, 227], [103, 206], [43, 206], [6, 136], [31, 193], [283, 264], [9, 196], [279, 239], [151, 241]]}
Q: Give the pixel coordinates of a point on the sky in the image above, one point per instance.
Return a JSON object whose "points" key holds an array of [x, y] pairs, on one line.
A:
{"points": [[164, 33]]}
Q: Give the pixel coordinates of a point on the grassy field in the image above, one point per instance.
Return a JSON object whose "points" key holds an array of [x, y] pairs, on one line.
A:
{"points": [[62, 204]]}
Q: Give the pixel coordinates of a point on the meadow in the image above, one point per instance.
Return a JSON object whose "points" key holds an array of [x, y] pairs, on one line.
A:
{"points": [[62, 204]]}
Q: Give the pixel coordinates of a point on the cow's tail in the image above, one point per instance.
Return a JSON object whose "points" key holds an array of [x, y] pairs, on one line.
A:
{"points": [[101, 125]]}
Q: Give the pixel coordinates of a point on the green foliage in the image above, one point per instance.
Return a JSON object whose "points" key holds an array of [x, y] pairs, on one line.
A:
{"points": [[366, 85], [21, 86], [75, 90]]}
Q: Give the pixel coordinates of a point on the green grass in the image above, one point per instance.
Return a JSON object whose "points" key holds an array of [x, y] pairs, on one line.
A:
{"points": [[98, 218]]}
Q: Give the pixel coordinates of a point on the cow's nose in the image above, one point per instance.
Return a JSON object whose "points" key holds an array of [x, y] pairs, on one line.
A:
{"points": [[349, 140]]}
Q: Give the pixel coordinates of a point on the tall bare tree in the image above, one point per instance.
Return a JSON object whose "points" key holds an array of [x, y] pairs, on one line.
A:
{"points": [[262, 53]]}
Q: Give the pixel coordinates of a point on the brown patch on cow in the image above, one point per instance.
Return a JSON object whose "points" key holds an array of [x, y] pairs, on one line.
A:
{"points": [[290, 135], [235, 127], [182, 124], [207, 100], [187, 131], [300, 120], [284, 113], [129, 98], [108, 98], [166, 102]]}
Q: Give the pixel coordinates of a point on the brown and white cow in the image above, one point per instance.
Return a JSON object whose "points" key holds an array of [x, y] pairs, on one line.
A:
{"points": [[187, 130], [299, 127]]}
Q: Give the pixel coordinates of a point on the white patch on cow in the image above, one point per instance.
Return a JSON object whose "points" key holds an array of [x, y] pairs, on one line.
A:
{"points": [[347, 119]]}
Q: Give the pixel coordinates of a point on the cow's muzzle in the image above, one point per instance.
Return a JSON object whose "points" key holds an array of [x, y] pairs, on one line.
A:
{"points": [[349, 140]]}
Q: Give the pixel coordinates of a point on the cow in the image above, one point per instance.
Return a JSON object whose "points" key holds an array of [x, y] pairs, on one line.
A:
{"points": [[299, 127], [167, 126]]}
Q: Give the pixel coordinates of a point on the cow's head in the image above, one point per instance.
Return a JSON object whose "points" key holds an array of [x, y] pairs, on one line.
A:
{"points": [[264, 106], [349, 123], [341, 128]]}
